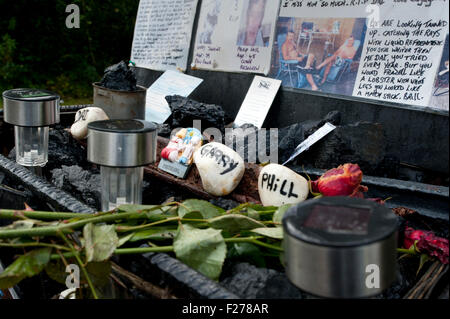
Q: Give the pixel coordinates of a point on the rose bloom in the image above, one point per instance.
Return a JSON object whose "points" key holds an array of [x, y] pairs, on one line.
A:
{"points": [[427, 242], [344, 180]]}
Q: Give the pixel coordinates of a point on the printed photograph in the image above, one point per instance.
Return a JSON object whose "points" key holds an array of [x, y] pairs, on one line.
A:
{"points": [[318, 54], [255, 24], [439, 99], [208, 25]]}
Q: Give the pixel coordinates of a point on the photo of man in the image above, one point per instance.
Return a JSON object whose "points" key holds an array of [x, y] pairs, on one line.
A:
{"points": [[212, 8], [305, 61], [345, 51], [318, 54], [252, 28]]}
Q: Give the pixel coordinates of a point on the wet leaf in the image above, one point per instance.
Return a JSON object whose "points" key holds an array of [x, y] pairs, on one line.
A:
{"points": [[27, 265], [278, 216], [272, 232], [201, 249], [207, 209], [234, 223], [100, 241], [246, 252], [154, 233]]}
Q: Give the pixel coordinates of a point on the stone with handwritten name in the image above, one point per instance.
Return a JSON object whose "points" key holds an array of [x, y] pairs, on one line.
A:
{"points": [[221, 169], [279, 185], [83, 118]]}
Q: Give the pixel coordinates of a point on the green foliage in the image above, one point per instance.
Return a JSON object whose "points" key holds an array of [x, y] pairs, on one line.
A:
{"points": [[38, 50], [27, 265], [100, 241], [203, 250], [197, 232], [234, 223]]}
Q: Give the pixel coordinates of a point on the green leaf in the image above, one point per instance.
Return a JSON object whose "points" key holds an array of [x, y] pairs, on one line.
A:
{"points": [[154, 233], [234, 223], [201, 249], [246, 252], [153, 212], [207, 209], [193, 215], [124, 239], [253, 213], [27, 265], [278, 216], [98, 273], [100, 241], [272, 232], [56, 270], [130, 208], [424, 258]]}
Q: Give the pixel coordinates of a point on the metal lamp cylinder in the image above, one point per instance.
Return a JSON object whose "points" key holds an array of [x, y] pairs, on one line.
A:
{"points": [[340, 247], [122, 148], [31, 111]]}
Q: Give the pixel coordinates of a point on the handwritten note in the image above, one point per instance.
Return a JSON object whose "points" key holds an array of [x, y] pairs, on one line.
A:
{"points": [[400, 59], [257, 102], [170, 83], [389, 50], [162, 34]]}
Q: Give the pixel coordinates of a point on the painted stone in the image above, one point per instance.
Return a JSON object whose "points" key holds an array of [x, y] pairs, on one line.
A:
{"points": [[279, 185], [221, 169], [83, 117]]}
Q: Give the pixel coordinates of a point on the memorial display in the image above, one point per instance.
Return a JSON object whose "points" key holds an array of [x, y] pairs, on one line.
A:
{"points": [[223, 183]]}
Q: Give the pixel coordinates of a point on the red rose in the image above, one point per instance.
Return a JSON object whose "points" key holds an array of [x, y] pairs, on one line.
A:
{"points": [[341, 181], [427, 242]]}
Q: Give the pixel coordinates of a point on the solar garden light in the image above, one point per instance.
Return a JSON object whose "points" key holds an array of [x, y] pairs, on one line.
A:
{"points": [[340, 247], [122, 148], [31, 111]]}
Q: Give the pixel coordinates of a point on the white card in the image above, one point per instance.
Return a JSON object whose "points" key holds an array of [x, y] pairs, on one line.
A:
{"points": [[170, 83], [311, 140], [258, 101]]}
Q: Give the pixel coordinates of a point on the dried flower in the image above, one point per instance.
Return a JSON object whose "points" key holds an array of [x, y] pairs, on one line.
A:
{"points": [[427, 242], [344, 180]]}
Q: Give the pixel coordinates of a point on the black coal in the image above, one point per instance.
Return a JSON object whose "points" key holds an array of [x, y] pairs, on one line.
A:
{"points": [[119, 77]]}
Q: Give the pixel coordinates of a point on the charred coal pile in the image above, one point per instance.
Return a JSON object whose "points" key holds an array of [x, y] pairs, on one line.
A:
{"points": [[225, 203]]}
